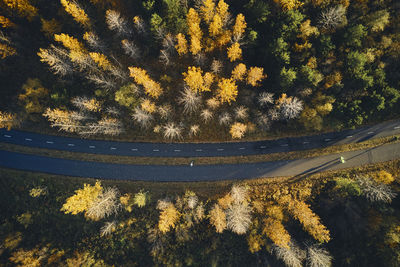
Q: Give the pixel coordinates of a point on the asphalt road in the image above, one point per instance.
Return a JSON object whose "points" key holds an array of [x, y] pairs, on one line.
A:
{"points": [[199, 149], [196, 173]]}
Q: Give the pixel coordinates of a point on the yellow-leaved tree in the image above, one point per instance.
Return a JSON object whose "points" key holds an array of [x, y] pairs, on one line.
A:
{"points": [[239, 27], [238, 130], [7, 120], [6, 51], [83, 199], [218, 218], [101, 60], [148, 106], [234, 52], [141, 77], [227, 90], [23, 7], [35, 96], [181, 47], [215, 26], [222, 10], [238, 72], [193, 22], [287, 5], [255, 75], [169, 215], [195, 80], [5, 22], [77, 12], [207, 10]]}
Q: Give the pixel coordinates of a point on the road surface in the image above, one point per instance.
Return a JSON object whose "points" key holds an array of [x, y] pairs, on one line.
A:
{"points": [[141, 149], [183, 173]]}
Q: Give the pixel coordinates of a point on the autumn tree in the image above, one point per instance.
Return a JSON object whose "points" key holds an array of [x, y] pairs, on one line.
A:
{"points": [[57, 59], [7, 120], [218, 218], [239, 27], [234, 52], [6, 22], [34, 97], [238, 130], [181, 46], [116, 22], [141, 77], [227, 90], [255, 75], [77, 12], [239, 72], [169, 215], [289, 4], [193, 21], [23, 7]]}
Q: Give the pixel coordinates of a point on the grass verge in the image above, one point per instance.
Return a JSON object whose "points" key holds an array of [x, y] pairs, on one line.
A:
{"points": [[202, 160]]}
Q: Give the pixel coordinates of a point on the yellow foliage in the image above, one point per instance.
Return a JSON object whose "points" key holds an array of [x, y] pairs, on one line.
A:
{"points": [[312, 63], [225, 201], [181, 47], [60, 117], [101, 60], [307, 30], [7, 120], [275, 212], [255, 75], [383, 177], [83, 199], [215, 26], [224, 38], [168, 218], [193, 22], [310, 221], [69, 42], [332, 79], [148, 106], [238, 130], [239, 71], [50, 27], [75, 11], [12, 240], [207, 10], [255, 242], [34, 96], [208, 80], [234, 52], [227, 90], [275, 231], [23, 7], [92, 104], [141, 77], [6, 51], [125, 201], [218, 218], [31, 258], [5, 22], [222, 10], [239, 27], [78, 56], [287, 5], [300, 47], [38, 191], [195, 80]]}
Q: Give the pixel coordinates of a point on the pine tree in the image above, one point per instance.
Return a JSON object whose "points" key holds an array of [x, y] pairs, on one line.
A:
{"points": [[238, 72], [215, 26], [169, 216], [207, 10], [193, 21], [239, 27], [101, 60]]}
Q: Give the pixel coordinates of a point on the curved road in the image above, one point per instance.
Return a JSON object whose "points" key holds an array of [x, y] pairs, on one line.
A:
{"points": [[199, 149], [196, 173]]}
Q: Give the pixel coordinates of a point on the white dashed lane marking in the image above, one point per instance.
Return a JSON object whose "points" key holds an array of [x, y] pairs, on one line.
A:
{"points": [[8, 136], [49, 142], [349, 136], [327, 140], [262, 146], [28, 139], [134, 149], [220, 149], [156, 150], [113, 148], [242, 148], [92, 147], [199, 150], [177, 150], [397, 127], [305, 142], [370, 132], [284, 145], [71, 144]]}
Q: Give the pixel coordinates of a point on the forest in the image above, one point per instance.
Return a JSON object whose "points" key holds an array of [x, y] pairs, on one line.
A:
{"points": [[341, 218], [198, 70]]}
